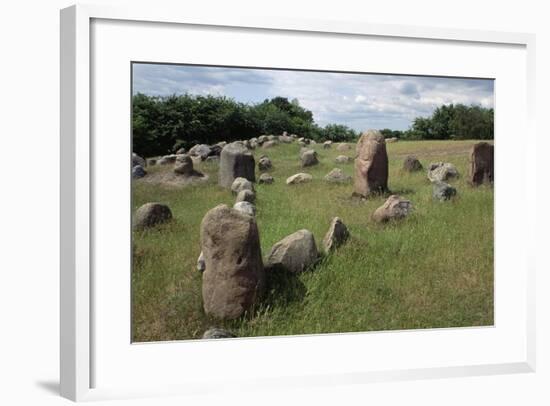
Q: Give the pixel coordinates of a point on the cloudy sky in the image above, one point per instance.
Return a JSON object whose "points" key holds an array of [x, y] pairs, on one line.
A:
{"points": [[359, 101]]}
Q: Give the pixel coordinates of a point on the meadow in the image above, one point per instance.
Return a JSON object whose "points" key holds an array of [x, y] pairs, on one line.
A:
{"points": [[433, 269]]}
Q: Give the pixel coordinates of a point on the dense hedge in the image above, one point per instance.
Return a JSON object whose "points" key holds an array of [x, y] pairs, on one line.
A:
{"points": [[163, 124]]}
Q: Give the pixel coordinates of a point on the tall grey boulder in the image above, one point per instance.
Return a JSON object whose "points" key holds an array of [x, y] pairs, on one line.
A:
{"points": [[233, 278], [235, 161], [482, 164], [371, 164]]}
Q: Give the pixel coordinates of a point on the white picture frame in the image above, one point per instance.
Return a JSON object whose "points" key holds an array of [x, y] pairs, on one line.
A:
{"points": [[77, 247]]}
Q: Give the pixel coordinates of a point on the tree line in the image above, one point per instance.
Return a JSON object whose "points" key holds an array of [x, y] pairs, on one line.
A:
{"points": [[161, 124]]}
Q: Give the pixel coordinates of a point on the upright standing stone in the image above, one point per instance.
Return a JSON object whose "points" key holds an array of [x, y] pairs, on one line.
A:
{"points": [[234, 275], [482, 163], [336, 235], [371, 164], [236, 161]]}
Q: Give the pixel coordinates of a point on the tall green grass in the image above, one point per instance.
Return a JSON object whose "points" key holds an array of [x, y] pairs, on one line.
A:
{"points": [[433, 269]]}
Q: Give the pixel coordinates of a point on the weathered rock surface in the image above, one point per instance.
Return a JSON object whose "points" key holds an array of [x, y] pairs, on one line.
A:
{"points": [[443, 191], [327, 144], [183, 165], [151, 214], [299, 178], [337, 176], [411, 164], [294, 253], [482, 164], [200, 150], [240, 184], [336, 235], [393, 209], [167, 159], [236, 161], [266, 178], [180, 151], [234, 276], [213, 333], [137, 160], [342, 159], [264, 164], [343, 147], [371, 164], [246, 196], [138, 172], [269, 144], [309, 158], [245, 207], [201, 266], [442, 171]]}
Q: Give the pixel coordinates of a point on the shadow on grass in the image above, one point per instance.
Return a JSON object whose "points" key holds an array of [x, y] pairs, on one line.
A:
{"points": [[282, 287]]}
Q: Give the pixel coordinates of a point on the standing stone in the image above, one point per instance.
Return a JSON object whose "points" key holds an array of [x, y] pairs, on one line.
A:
{"points": [[394, 208], [411, 164], [481, 163], [327, 144], [245, 196], [294, 253], [443, 191], [336, 235], [151, 214], [442, 171], [234, 276], [309, 158], [371, 164], [236, 161], [240, 184], [183, 165]]}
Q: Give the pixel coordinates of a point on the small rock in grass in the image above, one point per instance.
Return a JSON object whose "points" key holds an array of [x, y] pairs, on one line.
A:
{"points": [[151, 214], [342, 159], [264, 164], [327, 144], [443, 191], [299, 178], [336, 235], [266, 178], [343, 147], [394, 208], [294, 253], [337, 176], [138, 172], [411, 164], [309, 158], [442, 171], [213, 333]]}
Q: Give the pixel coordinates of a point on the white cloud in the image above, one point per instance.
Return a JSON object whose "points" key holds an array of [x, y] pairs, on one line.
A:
{"points": [[357, 100]]}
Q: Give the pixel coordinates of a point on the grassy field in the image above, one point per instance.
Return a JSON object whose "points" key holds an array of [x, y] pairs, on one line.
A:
{"points": [[433, 269]]}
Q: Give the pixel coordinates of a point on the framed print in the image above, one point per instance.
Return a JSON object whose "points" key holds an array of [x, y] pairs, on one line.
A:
{"points": [[254, 194]]}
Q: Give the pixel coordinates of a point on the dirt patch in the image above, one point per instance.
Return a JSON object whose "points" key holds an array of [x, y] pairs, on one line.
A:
{"points": [[172, 179]]}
